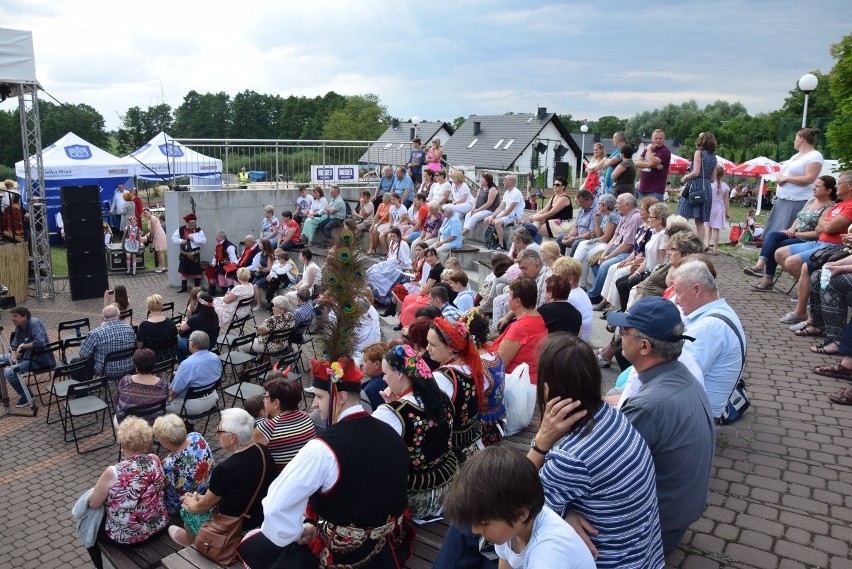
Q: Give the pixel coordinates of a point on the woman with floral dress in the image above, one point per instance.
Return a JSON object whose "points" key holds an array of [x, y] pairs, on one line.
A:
{"points": [[188, 465], [417, 409], [131, 492]]}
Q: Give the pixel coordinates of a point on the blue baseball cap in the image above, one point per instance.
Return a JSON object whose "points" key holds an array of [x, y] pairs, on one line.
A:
{"points": [[653, 316]]}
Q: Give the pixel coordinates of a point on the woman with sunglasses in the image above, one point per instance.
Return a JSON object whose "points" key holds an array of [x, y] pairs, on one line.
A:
{"points": [[557, 212]]}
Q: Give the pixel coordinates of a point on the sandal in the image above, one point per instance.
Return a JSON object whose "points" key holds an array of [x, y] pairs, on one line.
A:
{"points": [[837, 371], [763, 286], [820, 349], [842, 397], [754, 272], [809, 330]]}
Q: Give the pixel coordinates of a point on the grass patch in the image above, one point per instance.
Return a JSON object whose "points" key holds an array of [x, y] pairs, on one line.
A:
{"points": [[59, 260]]}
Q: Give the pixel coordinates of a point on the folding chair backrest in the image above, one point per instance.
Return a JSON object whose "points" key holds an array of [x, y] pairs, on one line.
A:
{"points": [[278, 337], [199, 392], [90, 388], [119, 355], [50, 347], [126, 315], [71, 343], [236, 325], [167, 307], [297, 335], [256, 374], [165, 367], [288, 359], [70, 371], [149, 411], [242, 303], [177, 319], [242, 341], [76, 326]]}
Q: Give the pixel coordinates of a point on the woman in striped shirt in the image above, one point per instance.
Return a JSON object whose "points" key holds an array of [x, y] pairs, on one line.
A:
{"points": [[287, 429]]}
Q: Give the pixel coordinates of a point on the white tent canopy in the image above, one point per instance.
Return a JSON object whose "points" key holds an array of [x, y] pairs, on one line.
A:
{"points": [[71, 157], [163, 157]]}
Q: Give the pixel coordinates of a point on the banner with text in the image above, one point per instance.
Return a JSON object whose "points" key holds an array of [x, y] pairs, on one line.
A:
{"points": [[333, 174]]}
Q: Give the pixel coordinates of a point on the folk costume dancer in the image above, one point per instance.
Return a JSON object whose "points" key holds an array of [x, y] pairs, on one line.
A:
{"points": [[190, 238], [222, 269]]}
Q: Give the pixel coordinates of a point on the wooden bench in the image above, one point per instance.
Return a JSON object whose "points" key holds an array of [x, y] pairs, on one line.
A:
{"points": [[189, 558], [148, 555]]}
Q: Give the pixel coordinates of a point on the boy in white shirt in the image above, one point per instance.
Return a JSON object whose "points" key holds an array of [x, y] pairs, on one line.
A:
{"points": [[303, 205]]}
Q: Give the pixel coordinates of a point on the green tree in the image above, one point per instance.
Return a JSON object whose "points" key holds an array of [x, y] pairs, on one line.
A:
{"points": [[609, 125], [255, 115], [203, 116], [81, 119], [362, 118], [839, 130], [569, 123], [138, 126], [457, 122]]}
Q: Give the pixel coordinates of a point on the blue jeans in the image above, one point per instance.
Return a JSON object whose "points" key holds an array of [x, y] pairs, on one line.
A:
{"points": [[11, 375], [182, 351], [600, 272], [460, 550], [328, 224], [771, 243]]}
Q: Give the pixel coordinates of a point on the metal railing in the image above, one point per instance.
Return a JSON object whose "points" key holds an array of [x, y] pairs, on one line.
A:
{"points": [[287, 163]]}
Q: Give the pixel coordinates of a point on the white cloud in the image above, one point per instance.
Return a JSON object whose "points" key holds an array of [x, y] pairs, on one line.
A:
{"points": [[438, 61]]}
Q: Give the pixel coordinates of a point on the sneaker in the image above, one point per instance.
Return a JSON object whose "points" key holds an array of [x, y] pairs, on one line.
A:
{"points": [[22, 402], [791, 318], [600, 306], [173, 534], [800, 326]]}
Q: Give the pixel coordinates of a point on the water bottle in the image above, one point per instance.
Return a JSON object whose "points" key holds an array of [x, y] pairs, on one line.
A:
{"points": [[824, 277]]}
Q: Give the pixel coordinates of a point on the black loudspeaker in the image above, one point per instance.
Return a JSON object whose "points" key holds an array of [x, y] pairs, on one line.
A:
{"points": [[81, 210], [84, 240], [561, 169], [88, 286]]}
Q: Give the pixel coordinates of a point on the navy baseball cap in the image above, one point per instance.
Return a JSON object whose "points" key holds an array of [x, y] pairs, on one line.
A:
{"points": [[653, 316]]}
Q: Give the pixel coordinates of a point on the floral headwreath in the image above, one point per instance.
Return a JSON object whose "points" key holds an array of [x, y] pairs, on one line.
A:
{"points": [[412, 364], [468, 317], [448, 330]]}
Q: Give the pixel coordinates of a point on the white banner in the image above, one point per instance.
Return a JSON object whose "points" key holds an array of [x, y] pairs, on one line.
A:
{"points": [[334, 174]]}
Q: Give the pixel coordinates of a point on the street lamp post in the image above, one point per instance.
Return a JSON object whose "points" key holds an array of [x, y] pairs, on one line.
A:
{"points": [[584, 129], [415, 120], [807, 83]]}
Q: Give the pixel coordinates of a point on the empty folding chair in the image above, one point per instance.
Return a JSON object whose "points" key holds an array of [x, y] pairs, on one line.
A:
{"points": [[250, 383], [235, 357], [88, 398], [63, 378], [79, 328]]}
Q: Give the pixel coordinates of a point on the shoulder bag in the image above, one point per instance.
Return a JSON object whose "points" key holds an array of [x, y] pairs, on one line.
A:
{"points": [[696, 195], [219, 537], [738, 399]]}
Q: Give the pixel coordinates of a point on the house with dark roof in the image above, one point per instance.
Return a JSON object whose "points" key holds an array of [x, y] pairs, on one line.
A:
{"points": [[519, 143], [394, 145]]}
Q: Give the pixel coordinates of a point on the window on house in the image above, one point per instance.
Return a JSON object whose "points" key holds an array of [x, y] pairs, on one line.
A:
{"points": [[508, 144], [499, 142], [475, 140]]}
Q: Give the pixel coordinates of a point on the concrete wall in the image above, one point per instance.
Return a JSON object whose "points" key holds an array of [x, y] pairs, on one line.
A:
{"points": [[237, 212]]}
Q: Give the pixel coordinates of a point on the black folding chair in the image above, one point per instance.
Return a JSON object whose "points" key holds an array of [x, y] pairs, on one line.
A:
{"points": [[165, 350], [245, 303], [37, 370], [280, 338], [63, 378], [199, 393], [126, 315], [148, 412], [165, 368], [292, 359], [250, 383], [118, 356], [235, 357], [88, 398], [167, 307], [76, 326], [299, 337], [71, 348], [234, 329]]}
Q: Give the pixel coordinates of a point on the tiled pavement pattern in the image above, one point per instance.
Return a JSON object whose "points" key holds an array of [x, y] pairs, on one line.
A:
{"points": [[781, 493]]}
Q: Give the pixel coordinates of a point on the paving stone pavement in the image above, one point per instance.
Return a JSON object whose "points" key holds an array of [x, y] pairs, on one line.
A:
{"points": [[780, 495]]}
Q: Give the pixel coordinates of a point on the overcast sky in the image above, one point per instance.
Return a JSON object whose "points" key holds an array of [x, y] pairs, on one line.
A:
{"points": [[430, 59]]}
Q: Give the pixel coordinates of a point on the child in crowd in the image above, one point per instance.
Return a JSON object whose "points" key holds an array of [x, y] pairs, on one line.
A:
{"points": [[464, 295], [254, 407], [282, 274], [373, 382], [303, 204], [509, 510]]}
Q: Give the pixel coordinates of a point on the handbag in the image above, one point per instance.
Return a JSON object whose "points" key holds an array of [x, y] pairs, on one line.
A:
{"points": [[827, 255], [738, 399], [219, 537], [519, 399]]}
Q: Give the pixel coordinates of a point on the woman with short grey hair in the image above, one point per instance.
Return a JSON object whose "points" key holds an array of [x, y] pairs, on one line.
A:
{"points": [[189, 462], [233, 481], [281, 321]]}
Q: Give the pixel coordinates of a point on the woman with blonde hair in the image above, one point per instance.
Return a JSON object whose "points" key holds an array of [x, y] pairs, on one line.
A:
{"points": [[593, 166], [226, 306], [157, 331], [461, 199], [131, 492], [549, 252], [189, 462]]}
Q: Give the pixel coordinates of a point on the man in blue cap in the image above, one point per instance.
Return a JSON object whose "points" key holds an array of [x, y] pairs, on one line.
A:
{"points": [[671, 412]]}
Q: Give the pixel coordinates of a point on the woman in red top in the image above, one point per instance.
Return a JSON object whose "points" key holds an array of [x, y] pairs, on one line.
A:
{"points": [[520, 341]]}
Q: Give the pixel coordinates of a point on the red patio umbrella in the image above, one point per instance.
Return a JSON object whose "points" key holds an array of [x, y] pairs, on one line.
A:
{"points": [[726, 164], [678, 164], [756, 167]]}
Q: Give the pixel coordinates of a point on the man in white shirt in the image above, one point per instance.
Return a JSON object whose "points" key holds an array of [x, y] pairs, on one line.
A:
{"points": [[511, 210], [353, 476]]}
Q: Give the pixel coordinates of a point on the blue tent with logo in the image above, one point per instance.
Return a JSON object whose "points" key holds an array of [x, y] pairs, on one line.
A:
{"points": [[72, 161]]}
